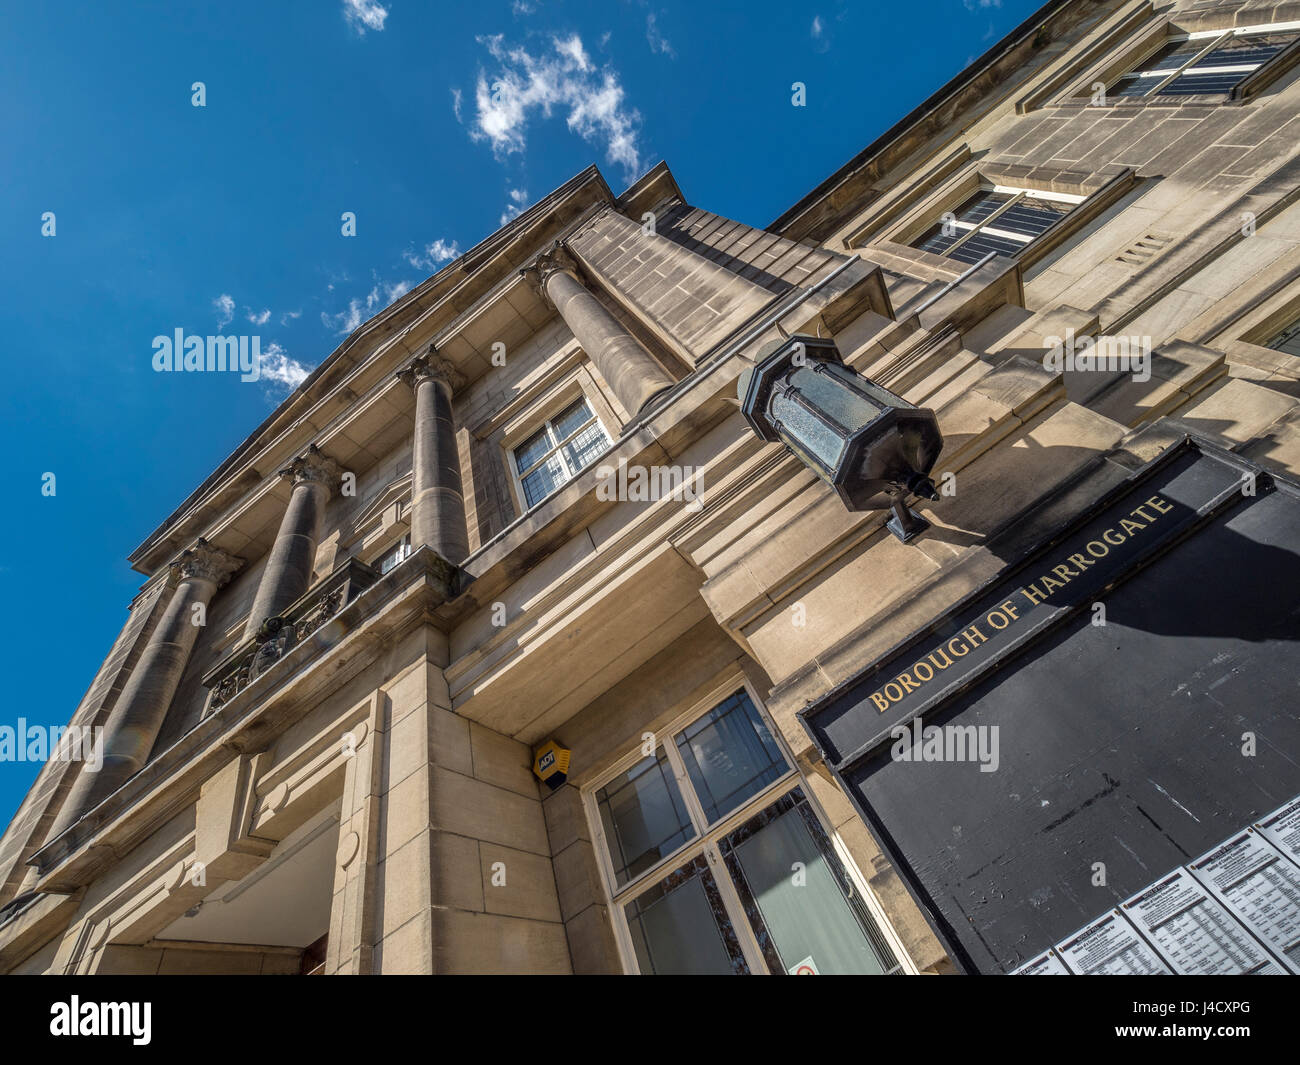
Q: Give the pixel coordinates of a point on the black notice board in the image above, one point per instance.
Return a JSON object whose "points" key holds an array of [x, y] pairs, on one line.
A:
{"points": [[1120, 743]]}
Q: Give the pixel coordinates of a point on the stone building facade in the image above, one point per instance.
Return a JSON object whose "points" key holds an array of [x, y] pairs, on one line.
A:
{"points": [[426, 563]]}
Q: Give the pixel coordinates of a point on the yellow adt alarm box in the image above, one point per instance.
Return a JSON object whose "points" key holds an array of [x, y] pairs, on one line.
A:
{"points": [[551, 764]]}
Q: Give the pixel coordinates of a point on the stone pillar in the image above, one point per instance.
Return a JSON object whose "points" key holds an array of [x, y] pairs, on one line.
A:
{"points": [[437, 500], [625, 365], [293, 556], [444, 858], [138, 715]]}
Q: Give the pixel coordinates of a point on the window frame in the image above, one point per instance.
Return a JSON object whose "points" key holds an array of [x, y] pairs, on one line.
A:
{"points": [[1213, 39], [706, 839], [1017, 195], [544, 423], [1134, 49], [893, 227], [402, 544], [1279, 335]]}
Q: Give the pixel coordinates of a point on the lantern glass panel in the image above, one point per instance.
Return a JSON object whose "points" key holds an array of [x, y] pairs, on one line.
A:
{"points": [[829, 394], [807, 435], [881, 397]]}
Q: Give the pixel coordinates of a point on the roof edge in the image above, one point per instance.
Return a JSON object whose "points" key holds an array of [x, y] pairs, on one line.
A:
{"points": [[963, 78]]}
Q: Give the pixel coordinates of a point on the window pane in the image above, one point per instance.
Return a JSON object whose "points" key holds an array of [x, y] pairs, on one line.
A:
{"points": [[571, 418], [1171, 57], [982, 243], [586, 447], [936, 241], [1255, 49], [644, 817], [1031, 217], [680, 926], [1203, 83], [973, 210], [396, 555], [730, 756], [1288, 340], [1147, 74], [1132, 85], [531, 450], [544, 480], [797, 896], [1206, 77], [981, 205]]}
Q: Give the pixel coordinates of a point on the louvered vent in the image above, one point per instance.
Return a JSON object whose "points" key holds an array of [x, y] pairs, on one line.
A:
{"points": [[1144, 249]]}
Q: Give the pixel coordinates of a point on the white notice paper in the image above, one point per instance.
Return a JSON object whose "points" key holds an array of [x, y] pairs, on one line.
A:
{"points": [[1047, 964], [1110, 947], [1261, 887], [1194, 932], [1282, 829]]}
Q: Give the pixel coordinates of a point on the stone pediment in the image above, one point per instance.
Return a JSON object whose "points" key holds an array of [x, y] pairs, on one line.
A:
{"points": [[379, 512]]}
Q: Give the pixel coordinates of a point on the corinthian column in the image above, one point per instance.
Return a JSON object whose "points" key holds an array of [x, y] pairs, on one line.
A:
{"points": [[289, 566], [133, 726], [437, 500], [625, 365]]}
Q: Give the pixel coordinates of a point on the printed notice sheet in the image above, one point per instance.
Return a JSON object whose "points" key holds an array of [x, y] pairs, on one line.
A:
{"points": [[1282, 829], [1110, 947], [1261, 887], [1047, 964], [1195, 933]]}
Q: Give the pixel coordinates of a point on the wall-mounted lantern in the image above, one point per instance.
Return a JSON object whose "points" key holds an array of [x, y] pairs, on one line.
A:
{"points": [[871, 446]]}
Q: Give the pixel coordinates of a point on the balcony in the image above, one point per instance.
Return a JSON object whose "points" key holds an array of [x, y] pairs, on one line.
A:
{"points": [[303, 620]]}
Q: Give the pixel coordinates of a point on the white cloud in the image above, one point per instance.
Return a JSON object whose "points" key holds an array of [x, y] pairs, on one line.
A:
{"points": [[346, 321], [456, 99], [381, 294], [657, 41], [979, 5], [258, 317], [289, 316], [820, 33], [365, 15], [225, 310], [522, 7], [572, 47], [518, 201], [434, 255], [527, 84], [277, 366]]}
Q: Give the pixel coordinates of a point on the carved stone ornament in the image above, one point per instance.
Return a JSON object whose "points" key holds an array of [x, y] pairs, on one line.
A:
{"points": [[557, 257], [206, 563], [315, 466], [432, 365]]}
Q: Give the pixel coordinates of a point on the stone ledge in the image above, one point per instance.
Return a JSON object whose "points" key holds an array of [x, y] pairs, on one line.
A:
{"points": [[34, 925]]}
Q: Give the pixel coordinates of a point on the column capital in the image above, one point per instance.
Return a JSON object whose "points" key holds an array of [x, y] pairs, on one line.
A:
{"points": [[556, 259], [205, 562], [433, 365], [313, 466]]}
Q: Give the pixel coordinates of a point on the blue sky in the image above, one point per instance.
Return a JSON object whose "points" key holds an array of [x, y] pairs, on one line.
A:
{"points": [[431, 122]]}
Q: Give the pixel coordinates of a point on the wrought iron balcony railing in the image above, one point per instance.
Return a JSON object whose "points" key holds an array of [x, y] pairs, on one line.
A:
{"points": [[303, 620]]}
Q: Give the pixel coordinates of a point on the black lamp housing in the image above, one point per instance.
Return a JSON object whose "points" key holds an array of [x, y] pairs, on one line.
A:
{"points": [[870, 445]]}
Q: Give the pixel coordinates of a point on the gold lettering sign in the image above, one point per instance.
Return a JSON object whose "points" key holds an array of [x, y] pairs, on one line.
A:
{"points": [[929, 668]]}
